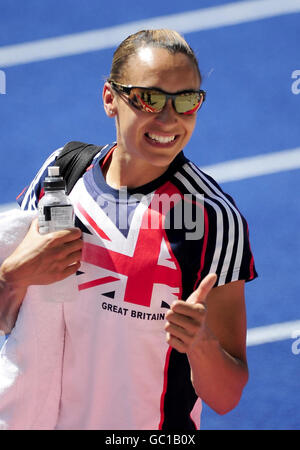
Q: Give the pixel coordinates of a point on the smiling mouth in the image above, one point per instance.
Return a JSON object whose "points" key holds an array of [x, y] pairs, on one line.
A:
{"points": [[161, 139]]}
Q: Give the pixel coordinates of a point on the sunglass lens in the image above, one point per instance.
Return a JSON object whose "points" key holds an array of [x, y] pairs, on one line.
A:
{"points": [[148, 100], [188, 103], [153, 101]]}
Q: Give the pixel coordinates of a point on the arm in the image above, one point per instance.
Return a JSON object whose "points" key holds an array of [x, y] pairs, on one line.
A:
{"points": [[210, 327], [10, 301], [39, 259]]}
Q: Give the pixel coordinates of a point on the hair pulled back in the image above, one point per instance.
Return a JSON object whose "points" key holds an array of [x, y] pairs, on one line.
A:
{"points": [[161, 38]]}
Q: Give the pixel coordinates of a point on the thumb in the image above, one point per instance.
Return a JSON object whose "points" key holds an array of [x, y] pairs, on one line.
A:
{"points": [[34, 226], [202, 291]]}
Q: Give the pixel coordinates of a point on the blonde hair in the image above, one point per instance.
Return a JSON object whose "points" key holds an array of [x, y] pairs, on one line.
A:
{"points": [[162, 38]]}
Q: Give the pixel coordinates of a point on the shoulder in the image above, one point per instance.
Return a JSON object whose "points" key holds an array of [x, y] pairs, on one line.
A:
{"points": [[226, 236], [67, 158], [191, 179]]}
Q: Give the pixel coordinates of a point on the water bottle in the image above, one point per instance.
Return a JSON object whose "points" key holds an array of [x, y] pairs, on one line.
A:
{"points": [[55, 212], [55, 209]]}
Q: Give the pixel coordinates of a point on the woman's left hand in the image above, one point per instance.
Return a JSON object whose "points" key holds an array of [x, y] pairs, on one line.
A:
{"points": [[186, 320]]}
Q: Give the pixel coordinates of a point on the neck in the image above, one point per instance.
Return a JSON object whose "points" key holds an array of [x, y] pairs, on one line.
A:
{"points": [[121, 169]]}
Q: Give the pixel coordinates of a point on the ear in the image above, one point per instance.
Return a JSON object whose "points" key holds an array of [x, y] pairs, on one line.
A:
{"points": [[109, 100]]}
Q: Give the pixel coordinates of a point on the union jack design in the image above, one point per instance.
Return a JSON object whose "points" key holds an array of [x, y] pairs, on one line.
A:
{"points": [[120, 261]]}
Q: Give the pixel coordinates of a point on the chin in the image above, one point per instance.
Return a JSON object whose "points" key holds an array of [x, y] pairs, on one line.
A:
{"points": [[161, 155], [161, 159]]}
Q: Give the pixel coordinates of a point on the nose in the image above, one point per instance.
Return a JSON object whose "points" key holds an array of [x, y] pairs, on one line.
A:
{"points": [[168, 114]]}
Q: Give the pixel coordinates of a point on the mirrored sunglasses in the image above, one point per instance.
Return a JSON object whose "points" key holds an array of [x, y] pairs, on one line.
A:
{"points": [[153, 100]]}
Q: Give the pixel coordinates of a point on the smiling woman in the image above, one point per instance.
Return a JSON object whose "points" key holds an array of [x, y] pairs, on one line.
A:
{"points": [[159, 323], [165, 66]]}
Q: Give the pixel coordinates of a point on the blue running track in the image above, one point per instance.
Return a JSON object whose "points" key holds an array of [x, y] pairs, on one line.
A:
{"points": [[251, 71]]}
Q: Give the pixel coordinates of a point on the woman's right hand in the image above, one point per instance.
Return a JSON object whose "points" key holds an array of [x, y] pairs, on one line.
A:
{"points": [[43, 259]]}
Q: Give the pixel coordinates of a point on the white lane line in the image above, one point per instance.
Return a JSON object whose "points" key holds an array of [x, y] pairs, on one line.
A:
{"points": [[254, 166], [186, 22], [273, 333]]}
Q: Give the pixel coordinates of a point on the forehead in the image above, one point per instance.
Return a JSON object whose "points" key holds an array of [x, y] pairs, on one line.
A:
{"points": [[152, 66]]}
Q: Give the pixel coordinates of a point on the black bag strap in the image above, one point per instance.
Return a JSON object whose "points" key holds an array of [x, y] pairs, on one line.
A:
{"points": [[73, 161]]}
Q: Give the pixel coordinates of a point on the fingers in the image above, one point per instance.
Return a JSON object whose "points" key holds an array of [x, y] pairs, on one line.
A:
{"points": [[179, 322], [66, 261], [183, 324], [55, 238], [185, 316], [34, 225], [186, 319], [176, 343], [70, 270], [187, 309], [61, 249], [70, 248], [64, 245], [63, 236], [179, 337], [67, 258], [71, 259], [206, 285], [44, 259]]}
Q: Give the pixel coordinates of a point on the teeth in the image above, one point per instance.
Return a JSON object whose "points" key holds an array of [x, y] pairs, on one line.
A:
{"points": [[161, 139]]}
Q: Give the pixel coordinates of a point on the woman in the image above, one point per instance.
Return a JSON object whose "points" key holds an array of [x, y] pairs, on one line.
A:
{"points": [[160, 321]]}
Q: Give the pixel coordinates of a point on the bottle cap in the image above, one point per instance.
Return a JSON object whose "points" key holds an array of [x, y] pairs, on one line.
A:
{"points": [[53, 171], [53, 182]]}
